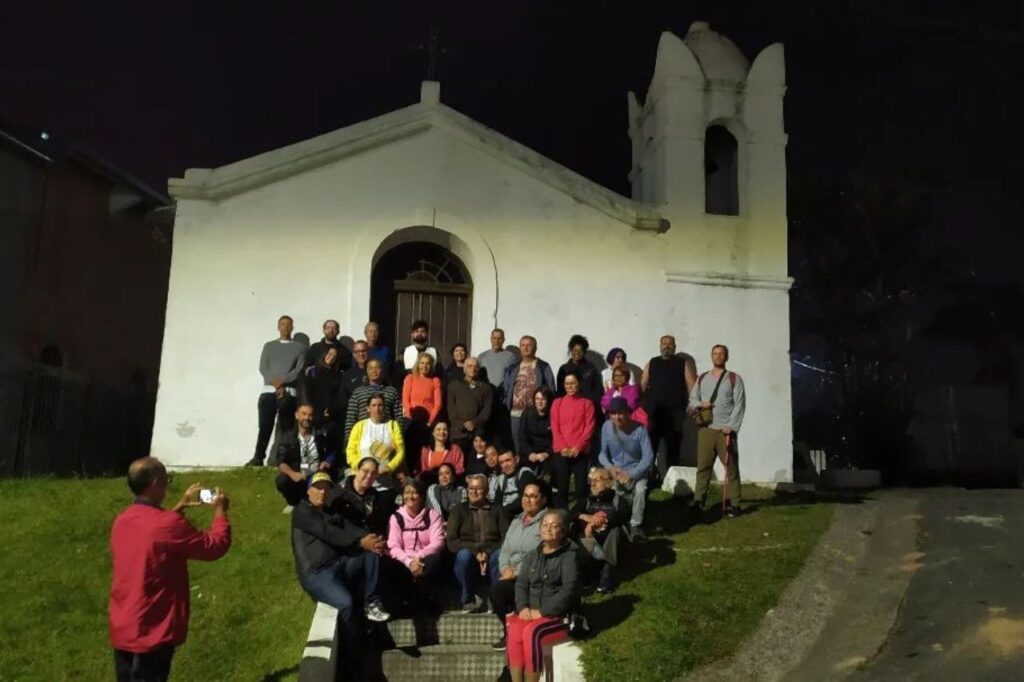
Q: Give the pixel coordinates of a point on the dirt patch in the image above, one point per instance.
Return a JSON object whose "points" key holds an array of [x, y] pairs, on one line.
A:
{"points": [[999, 636]]}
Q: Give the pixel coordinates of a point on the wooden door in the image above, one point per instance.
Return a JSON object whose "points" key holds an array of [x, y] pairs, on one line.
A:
{"points": [[445, 307]]}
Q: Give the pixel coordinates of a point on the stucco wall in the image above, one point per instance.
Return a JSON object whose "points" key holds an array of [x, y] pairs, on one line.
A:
{"points": [[541, 263]]}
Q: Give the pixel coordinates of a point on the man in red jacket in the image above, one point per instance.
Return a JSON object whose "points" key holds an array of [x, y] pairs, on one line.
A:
{"points": [[151, 546]]}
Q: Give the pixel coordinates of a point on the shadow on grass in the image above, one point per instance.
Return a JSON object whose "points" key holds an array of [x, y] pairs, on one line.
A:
{"points": [[281, 674], [610, 612]]}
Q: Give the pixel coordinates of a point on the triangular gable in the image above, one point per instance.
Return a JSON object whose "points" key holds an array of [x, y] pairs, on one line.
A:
{"points": [[234, 178]]}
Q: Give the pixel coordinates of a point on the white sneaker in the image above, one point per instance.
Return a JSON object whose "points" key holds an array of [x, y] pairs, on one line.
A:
{"points": [[376, 612]]}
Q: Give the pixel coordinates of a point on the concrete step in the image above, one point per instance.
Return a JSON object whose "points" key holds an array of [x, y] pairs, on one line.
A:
{"points": [[449, 628], [443, 662]]}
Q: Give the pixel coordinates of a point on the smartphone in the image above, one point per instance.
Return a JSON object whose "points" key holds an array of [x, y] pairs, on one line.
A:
{"points": [[206, 496]]}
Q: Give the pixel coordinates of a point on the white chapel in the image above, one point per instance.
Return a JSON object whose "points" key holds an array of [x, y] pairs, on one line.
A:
{"points": [[424, 212]]}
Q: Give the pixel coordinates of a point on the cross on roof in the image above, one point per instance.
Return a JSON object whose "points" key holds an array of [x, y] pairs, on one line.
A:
{"points": [[434, 50]]}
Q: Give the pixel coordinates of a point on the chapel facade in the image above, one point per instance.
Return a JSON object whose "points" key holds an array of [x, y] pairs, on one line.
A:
{"points": [[426, 213]]}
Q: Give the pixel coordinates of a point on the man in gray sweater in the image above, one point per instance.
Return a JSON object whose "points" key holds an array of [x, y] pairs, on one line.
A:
{"points": [[281, 364], [721, 393]]}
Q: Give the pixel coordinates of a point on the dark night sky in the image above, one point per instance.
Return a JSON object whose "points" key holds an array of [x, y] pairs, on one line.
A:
{"points": [[933, 87]]}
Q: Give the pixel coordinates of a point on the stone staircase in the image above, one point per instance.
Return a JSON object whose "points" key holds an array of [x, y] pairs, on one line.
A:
{"points": [[452, 646]]}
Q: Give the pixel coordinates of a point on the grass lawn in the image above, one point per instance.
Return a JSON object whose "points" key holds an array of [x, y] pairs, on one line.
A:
{"points": [[691, 596], [249, 615], [687, 596]]}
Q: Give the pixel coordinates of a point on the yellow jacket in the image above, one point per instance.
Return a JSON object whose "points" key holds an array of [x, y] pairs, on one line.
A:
{"points": [[353, 454]]}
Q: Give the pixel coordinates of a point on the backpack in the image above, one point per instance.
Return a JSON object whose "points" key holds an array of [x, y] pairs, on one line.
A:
{"points": [[401, 519]]}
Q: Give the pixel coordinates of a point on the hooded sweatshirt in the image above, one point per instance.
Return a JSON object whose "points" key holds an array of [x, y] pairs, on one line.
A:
{"points": [[422, 535]]}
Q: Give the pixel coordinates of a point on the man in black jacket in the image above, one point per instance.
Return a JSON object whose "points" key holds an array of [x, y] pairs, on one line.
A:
{"points": [[599, 529], [474, 532], [330, 340], [301, 453], [337, 562]]}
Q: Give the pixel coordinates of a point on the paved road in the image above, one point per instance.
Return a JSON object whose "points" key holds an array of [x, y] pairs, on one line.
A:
{"points": [[962, 616]]}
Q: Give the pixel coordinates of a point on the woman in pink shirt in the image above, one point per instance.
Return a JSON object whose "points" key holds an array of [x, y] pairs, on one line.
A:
{"points": [[621, 388], [416, 535], [441, 452], [572, 425]]}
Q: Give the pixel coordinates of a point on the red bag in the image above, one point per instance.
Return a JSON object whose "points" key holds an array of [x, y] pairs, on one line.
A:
{"points": [[640, 416]]}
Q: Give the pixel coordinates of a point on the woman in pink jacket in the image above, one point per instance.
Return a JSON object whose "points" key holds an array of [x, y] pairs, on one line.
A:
{"points": [[621, 388], [572, 425], [416, 536]]}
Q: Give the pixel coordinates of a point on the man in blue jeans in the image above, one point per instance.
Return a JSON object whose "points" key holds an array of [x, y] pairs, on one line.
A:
{"points": [[475, 530], [627, 454], [338, 562]]}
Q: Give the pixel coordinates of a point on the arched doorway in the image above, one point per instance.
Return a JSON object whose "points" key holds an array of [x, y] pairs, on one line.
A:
{"points": [[422, 280]]}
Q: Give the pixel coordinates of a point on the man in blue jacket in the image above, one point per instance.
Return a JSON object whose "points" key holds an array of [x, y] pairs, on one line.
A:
{"points": [[627, 454], [522, 379]]}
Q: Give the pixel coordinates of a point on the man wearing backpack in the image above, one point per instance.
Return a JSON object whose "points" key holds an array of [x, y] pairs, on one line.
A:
{"points": [[717, 402]]}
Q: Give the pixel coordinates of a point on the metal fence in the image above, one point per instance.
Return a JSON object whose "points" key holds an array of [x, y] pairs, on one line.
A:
{"points": [[54, 422]]}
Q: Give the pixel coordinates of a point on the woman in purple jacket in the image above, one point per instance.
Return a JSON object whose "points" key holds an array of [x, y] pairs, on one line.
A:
{"points": [[621, 388]]}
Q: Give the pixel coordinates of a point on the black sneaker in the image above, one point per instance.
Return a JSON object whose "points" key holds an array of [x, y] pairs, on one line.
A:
{"points": [[732, 512], [254, 462], [637, 534], [472, 606], [499, 645]]}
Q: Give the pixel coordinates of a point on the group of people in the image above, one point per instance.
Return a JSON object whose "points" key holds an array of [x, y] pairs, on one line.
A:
{"points": [[487, 503]]}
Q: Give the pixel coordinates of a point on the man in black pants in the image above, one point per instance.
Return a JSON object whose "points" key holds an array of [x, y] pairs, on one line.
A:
{"points": [[667, 381], [281, 365]]}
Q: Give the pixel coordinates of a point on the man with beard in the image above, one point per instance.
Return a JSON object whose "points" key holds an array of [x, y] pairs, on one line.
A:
{"points": [[301, 454], [721, 393], [411, 354], [331, 331], [667, 381]]}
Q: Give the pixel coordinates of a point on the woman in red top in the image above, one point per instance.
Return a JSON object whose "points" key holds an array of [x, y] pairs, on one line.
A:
{"points": [[432, 457], [572, 424], [421, 393], [421, 405]]}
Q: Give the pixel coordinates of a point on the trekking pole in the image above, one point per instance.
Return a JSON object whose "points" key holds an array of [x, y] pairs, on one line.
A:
{"points": [[725, 484]]}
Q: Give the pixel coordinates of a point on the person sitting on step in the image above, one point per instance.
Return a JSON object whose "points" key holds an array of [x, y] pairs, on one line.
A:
{"points": [[440, 451], [599, 530], [476, 459], [547, 589], [627, 454], [446, 494], [416, 539], [338, 563], [360, 501], [507, 487], [380, 438], [523, 536], [474, 533], [300, 454]]}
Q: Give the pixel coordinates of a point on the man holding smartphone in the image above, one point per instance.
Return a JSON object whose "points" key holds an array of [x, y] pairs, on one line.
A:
{"points": [[151, 546]]}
